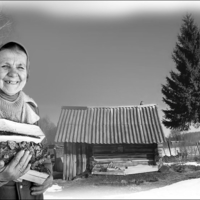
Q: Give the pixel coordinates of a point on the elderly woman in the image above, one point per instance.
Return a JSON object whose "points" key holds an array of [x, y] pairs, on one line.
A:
{"points": [[16, 106]]}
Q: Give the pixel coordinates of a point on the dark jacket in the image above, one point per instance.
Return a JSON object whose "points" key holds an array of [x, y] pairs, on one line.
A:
{"points": [[21, 190]]}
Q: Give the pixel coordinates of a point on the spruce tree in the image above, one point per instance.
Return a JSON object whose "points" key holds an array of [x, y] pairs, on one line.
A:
{"points": [[182, 89]]}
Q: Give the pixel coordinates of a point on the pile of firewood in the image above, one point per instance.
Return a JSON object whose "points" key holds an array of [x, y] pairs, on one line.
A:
{"points": [[38, 151]]}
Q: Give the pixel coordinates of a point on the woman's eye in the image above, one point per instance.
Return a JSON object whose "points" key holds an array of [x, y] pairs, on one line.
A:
{"points": [[21, 67], [5, 66]]}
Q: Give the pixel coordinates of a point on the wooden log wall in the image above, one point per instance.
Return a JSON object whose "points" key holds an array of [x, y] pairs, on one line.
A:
{"points": [[74, 160], [123, 155], [78, 155], [160, 150]]}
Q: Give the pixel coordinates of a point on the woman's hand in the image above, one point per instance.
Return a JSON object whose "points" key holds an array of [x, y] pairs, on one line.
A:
{"points": [[40, 189], [17, 167]]}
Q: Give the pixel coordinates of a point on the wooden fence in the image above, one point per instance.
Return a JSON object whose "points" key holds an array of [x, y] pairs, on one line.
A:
{"points": [[177, 148]]}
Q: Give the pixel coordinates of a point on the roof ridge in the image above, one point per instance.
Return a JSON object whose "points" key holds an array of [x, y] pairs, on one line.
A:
{"points": [[86, 107]]}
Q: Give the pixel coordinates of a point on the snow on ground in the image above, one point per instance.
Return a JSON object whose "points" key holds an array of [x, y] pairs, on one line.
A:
{"points": [[182, 190], [189, 189], [188, 163], [55, 188]]}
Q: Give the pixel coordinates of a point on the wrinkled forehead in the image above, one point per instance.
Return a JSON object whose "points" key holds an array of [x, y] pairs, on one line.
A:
{"points": [[9, 55]]}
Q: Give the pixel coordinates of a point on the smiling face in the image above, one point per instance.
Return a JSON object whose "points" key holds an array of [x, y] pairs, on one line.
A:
{"points": [[13, 72]]}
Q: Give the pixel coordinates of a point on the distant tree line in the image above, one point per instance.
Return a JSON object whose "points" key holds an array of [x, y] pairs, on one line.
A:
{"points": [[49, 129], [6, 26], [188, 138]]}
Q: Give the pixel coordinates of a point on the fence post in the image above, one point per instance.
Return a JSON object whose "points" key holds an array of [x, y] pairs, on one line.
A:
{"points": [[169, 147], [198, 147]]}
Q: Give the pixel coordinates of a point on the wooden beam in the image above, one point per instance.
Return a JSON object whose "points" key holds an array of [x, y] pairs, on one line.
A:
{"points": [[130, 170], [74, 159], [108, 173], [121, 160], [141, 169], [79, 160], [64, 166], [70, 162], [67, 161], [124, 155], [83, 158]]}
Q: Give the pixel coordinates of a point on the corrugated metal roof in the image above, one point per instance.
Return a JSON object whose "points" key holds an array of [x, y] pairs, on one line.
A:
{"points": [[110, 125]]}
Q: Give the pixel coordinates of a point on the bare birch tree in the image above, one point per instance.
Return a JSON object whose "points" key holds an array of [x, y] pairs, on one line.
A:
{"points": [[5, 26]]}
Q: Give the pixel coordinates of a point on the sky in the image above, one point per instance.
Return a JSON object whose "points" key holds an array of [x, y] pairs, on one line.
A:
{"points": [[102, 53]]}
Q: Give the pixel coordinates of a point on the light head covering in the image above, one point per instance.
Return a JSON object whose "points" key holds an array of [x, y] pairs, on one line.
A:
{"points": [[15, 46]]}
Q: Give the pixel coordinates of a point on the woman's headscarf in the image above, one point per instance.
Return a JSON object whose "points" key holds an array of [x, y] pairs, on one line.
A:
{"points": [[17, 47]]}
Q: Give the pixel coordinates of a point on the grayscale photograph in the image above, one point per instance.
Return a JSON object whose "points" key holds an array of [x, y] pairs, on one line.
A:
{"points": [[99, 100]]}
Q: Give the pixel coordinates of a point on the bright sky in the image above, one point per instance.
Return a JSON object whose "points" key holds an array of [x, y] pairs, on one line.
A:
{"points": [[85, 53], [104, 9]]}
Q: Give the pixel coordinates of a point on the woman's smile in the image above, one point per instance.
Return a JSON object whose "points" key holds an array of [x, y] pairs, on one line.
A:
{"points": [[12, 82]]}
